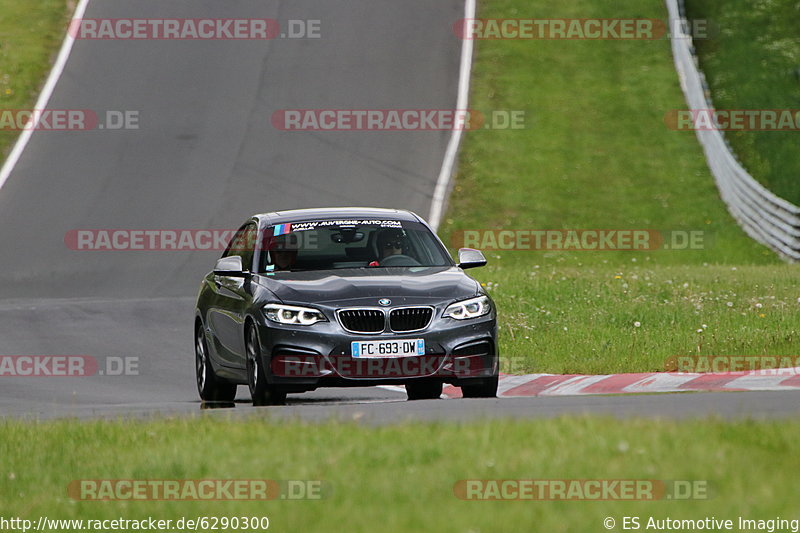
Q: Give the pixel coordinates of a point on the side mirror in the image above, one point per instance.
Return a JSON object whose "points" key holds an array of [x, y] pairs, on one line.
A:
{"points": [[470, 258], [230, 266]]}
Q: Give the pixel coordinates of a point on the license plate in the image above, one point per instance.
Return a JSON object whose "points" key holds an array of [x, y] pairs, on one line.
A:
{"points": [[389, 348]]}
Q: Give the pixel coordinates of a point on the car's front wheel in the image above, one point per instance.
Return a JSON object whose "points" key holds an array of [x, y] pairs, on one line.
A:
{"points": [[483, 389], [262, 392], [424, 390], [211, 387]]}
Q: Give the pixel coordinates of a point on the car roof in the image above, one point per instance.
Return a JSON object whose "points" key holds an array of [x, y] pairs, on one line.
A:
{"points": [[328, 213]]}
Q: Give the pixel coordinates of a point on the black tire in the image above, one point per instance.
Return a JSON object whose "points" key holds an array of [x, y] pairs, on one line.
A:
{"points": [[210, 387], [262, 392], [482, 389], [424, 390]]}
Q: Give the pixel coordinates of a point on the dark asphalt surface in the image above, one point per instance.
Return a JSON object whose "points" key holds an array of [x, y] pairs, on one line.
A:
{"points": [[206, 156]]}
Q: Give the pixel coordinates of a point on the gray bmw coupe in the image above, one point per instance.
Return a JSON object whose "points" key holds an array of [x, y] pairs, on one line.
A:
{"points": [[342, 297]]}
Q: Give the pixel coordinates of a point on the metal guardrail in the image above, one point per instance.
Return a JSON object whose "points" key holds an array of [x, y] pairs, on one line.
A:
{"points": [[765, 217]]}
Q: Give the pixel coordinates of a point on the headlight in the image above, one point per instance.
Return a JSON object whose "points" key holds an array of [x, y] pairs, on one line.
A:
{"points": [[472, 308], [290, 314]]}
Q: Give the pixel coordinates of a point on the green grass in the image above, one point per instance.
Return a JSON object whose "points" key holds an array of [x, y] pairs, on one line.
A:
{"points": [[570, 318], [752, 61], [31, 32], [596, 154], [401, 477]]}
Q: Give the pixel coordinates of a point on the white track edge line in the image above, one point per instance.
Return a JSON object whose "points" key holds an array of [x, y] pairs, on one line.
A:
{"points": [[44, 97], [446, 172]]}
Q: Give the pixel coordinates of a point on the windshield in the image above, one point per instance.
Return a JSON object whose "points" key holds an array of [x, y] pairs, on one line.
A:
{"points": [[336, 244]]}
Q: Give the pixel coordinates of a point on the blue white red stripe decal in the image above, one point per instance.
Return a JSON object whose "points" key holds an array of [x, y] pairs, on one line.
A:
{"points": [[281, 229]]}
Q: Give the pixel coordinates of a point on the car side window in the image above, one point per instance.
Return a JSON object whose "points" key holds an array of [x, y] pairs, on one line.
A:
{"points": [[243, 244]]}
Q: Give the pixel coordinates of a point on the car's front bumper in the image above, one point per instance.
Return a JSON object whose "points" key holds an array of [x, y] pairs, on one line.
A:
{"points": [[301, 358]]}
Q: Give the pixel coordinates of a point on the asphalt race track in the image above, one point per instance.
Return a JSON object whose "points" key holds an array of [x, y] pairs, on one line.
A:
{"points": [[207, 156]]}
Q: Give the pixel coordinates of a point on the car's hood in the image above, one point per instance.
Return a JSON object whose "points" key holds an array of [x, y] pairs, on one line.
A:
{"points": [[365, 286]]}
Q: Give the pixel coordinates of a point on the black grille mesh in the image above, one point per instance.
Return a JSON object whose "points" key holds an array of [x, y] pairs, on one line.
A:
{"points": [[410, 318], [362, 320]]}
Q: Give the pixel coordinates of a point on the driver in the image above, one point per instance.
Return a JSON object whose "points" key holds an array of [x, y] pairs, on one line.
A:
{"points": [[391, 242], [283, 252]]}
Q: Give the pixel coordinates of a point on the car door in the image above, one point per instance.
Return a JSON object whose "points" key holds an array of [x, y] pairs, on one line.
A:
{"points": [[232, 297]]}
